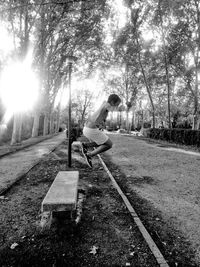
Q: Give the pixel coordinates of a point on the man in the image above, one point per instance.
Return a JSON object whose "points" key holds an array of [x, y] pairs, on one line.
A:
{"points": [[91, 129]]}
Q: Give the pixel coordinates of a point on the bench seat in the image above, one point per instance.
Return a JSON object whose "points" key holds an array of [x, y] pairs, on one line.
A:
{"points": [[62, 195]]}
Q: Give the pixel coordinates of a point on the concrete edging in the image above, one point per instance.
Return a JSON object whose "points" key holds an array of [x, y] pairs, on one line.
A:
{"points": [[153, 247]]}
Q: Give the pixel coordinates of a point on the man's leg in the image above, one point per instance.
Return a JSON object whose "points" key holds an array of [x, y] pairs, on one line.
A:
{"points": [[86, 146], [90, 144], [101, 148]]}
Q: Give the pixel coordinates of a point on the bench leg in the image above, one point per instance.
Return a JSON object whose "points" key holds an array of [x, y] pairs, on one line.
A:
{"points": [[46, 219], [79, 208]]}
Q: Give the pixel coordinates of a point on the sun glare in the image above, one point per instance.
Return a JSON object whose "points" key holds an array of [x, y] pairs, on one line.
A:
{"points": [[18, 87], [147, 35], [62, 97], [121, 16], [122, 12], [6, 44]]}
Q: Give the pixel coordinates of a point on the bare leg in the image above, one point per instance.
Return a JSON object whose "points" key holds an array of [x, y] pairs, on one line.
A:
{"points": [[101, 148], [91, 144]]}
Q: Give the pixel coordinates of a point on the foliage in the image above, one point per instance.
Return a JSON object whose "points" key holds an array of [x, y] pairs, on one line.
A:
{"points": [[82, 105], [179, 136], [154, 56]]}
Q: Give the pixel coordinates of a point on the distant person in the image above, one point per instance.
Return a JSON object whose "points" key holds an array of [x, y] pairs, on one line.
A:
{"points": [[92, 129]]}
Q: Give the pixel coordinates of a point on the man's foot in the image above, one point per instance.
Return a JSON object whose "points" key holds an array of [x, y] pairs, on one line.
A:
{"points": [[83, 149], [88, 160]]}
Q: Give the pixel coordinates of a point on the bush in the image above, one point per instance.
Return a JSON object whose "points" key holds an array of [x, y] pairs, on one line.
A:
{"points": [[179, 136]]}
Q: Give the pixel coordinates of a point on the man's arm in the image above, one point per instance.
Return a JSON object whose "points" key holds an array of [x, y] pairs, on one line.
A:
{"points": [[100, 115]]}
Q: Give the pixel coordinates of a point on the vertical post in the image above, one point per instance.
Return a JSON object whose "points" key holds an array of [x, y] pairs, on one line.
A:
{"points": [[69, 118], [70, 60]]}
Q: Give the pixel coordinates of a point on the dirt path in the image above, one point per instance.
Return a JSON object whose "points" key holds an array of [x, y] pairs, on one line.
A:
{"points": [[106, 235], [168, 179], [154, 179]]}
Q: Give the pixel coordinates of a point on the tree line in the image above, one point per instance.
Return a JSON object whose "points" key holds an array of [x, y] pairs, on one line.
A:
{"points": [[156, 54], [56, 30]]}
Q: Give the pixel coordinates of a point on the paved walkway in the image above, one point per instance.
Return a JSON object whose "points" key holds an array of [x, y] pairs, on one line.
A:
{"points": [[13, 166]]}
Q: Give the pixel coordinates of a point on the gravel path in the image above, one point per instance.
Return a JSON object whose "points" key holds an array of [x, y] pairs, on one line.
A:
{"points": [[166, 177]]}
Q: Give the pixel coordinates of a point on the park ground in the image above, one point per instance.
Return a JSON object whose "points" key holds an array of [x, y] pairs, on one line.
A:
{"points": [[161, 184]]}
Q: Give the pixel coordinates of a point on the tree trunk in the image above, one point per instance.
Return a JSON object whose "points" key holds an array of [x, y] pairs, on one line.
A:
{"points": [[58, 120], [35, 129], [196, 102], [51, 123], [42, 60], [46, 121], [127, 121], [146, 84], [134, 120], [196, 116], [168, 91], [17, 126], [26, 31], [142, 119], [24, 39], [166, 70], [120, 119]]}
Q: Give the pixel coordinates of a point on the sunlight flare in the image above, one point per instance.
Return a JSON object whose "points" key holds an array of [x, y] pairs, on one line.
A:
{"points": [[18, 87], [62, 97], [121, 16], [122, 12], [6, 44]]}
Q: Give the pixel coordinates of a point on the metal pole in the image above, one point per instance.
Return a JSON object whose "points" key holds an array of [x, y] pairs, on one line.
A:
{"points": [[69, 118]]}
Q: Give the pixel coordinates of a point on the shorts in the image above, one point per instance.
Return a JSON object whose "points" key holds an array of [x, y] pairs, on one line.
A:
{"points": [[95, 135]]}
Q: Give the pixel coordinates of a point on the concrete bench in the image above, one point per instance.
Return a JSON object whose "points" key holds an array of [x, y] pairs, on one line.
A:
{"points": [[62, 195]]}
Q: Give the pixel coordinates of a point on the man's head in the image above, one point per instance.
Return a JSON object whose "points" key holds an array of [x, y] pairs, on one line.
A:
{"points": [[114, 100]]}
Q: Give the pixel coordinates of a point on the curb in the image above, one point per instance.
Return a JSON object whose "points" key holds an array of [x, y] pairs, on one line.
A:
{"points": [[153, 247]]}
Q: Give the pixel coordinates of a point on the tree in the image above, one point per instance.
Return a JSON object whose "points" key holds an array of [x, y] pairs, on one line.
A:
{"points": [[130, 47], [66, 29], [184, 39], [124, 83], [22, 33], [82, 104]]}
